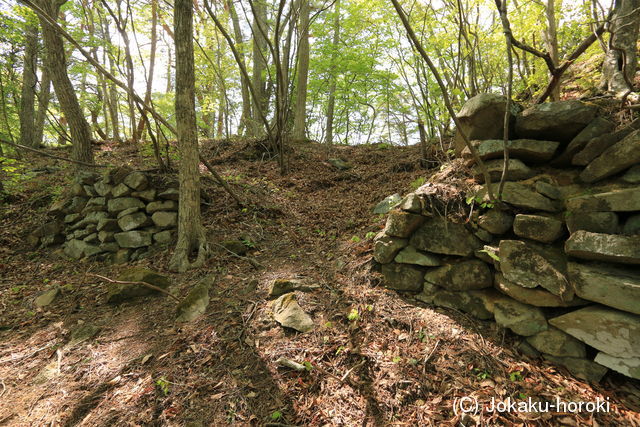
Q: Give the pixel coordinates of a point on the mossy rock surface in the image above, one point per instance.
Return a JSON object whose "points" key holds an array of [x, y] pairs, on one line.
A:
{"points": [[121, 292]]}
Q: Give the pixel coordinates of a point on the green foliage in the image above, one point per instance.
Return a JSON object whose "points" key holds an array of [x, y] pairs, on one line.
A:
{"points": [[370, 235], [355, 239], [353, 315], [417, 183], [163, 385], [276, 416], [470, 200], [491, 254], [515, 376]]}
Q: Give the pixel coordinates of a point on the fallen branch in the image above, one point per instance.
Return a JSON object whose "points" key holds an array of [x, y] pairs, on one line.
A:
{"points": [[42, 153], [251, 261], [145, 284], [221, 181]]}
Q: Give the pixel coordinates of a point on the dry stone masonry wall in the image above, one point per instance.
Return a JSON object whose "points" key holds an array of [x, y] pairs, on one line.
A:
{"points": [[560, 266], [116, 216]]}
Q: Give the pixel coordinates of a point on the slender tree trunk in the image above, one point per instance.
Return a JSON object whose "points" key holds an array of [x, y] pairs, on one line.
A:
{"points": [[259, 30], [57, 64], [191, 235], [245, 118], [551, 39], [152, 62], [619, 67], [300, 114], [43, 105], [333, 77], [29, 78]]}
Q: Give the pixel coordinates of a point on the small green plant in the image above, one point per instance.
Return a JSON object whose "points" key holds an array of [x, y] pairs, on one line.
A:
{"points": [[321, 233], [417, 183], [248, 243], [370, 235], [479, 201], [397, 359], [355, 239], [308, 366], [276, 416], [340, 349], [491, 254], [163, 385], [481, 374], [353, 315], [369, 307], [515, 376], [522, 396]]}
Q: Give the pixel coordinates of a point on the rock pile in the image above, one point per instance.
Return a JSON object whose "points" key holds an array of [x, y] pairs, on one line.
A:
{"points": [[559, 265], [115, 216]]}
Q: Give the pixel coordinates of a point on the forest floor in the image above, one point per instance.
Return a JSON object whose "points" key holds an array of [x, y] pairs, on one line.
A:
{"points": [[375, 357]]}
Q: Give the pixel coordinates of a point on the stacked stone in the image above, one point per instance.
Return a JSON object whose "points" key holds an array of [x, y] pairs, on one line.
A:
{"points": [[116, 216], [559, 265]]}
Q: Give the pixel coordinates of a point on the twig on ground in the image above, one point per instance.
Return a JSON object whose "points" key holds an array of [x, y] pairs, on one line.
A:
{"points": [[145, 284], [251, 261]]}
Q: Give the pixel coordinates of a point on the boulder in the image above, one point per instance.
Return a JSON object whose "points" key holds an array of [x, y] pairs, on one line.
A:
{"points": [[122, 203], [402, 277], [146, 195], [580, 367], [595, 222], [165, 219], [604, 247], [137, 181], [521, 318], [626, 200], [521, 196], [599, 126], [632, 176], [440, 236], [538, 297], [196, 301], [91, 238], [537, 227], [626, 366], [496, 221], [462, 276], [548, 190], [162, 238], [121, 292], [75, 248], [92, 249], [527, 150], [517, 171], [51, 227], [289, 314], [107, 224], [127, 212], [109, 247], [133, 221], [528, 267], [411, 203], [608, 330], [632, 225], [120, 190], [47, 297], [613, 286], [102, 188], [557, 121], [279, 287], [387, 204], [613, 160], [106, 236], [133, 239], [122, 256], [385, 248], [402, 224], [165, 205], [339, 164], [85, 177], [463, 301], [557, 343], [170, 194], [76, 205], [482, 117], [71, 218], [483, 235], [411, 255]]}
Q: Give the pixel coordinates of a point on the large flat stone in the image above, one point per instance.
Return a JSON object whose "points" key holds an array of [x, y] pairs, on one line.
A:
{"points": [[121, 292], [626, 366], [527, 150], [608, 330], [616, 287], [537, 227], [557, 343], [402, 224], [288, 313], [521, 196], [555, 121], [133, 221], [496, 221], [440, 236], [604, 247], [463, 301], [462, 276], [122, 203], [595, 222], [402, 277], [599, 126], [517, 171], [411, 255], [526, 266], [626, 200], [133, 239], [614, 159], [385, 248], [538, 297], [521, 318], [585, 369]]}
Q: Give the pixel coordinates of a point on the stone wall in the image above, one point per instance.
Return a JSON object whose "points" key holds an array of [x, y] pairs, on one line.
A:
{"points": [[115, 216], [559, 263]]}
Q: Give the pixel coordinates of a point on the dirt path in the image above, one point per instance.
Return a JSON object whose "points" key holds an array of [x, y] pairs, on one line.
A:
{"points": [[374, 357]]}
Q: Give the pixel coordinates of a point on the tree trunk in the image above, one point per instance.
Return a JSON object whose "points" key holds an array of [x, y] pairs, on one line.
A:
{"points": [[332, 83], [152, 63], [191, 235], [29, 78], [620, 63], [245, 119], [300, 114], [43, 105], [260, 31], [551, 40], [57, 64]]}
